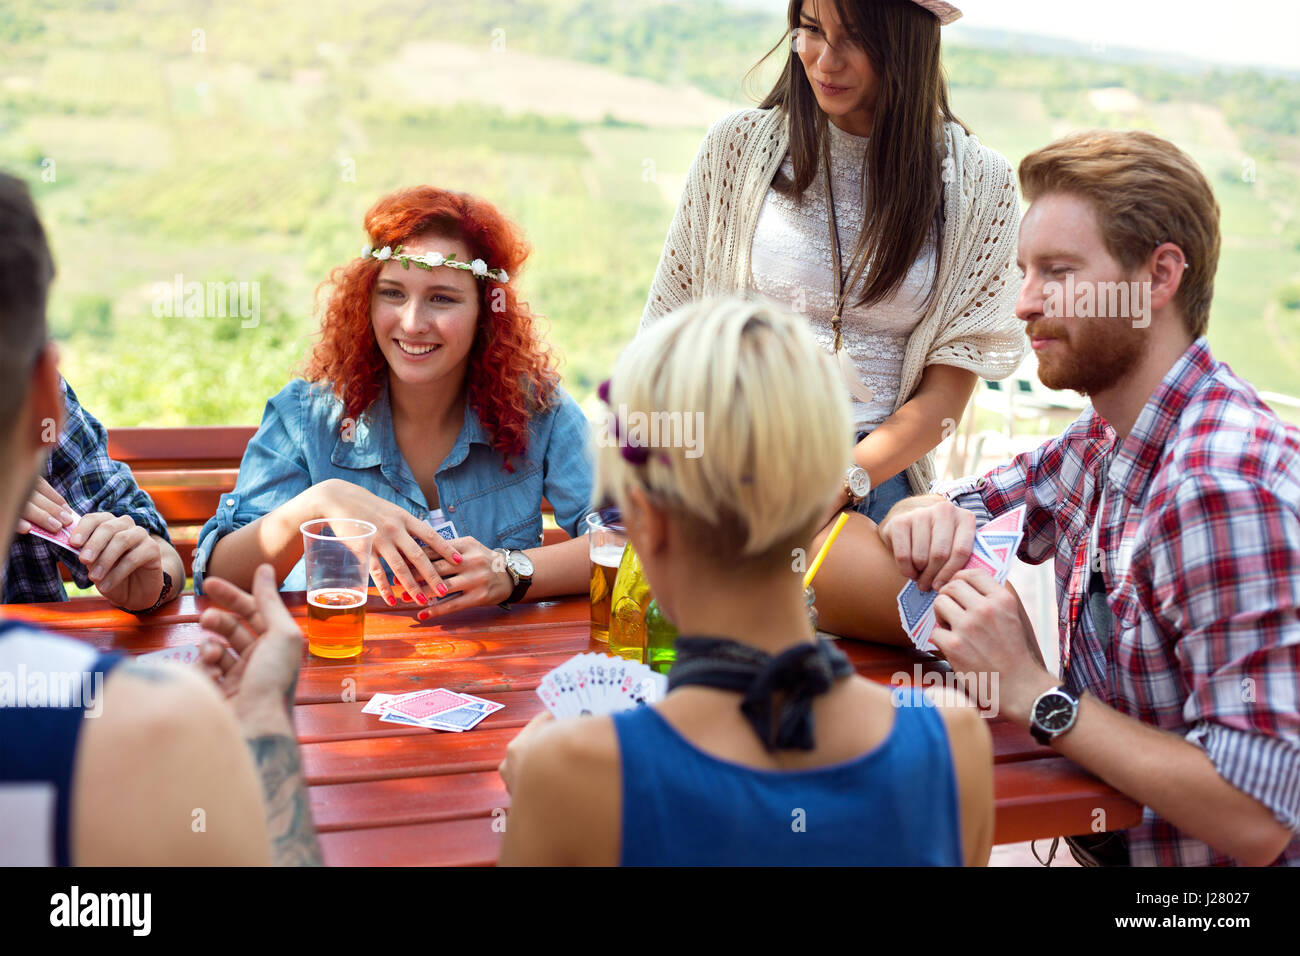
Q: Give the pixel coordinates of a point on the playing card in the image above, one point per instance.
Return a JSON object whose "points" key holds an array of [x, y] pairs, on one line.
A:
{"points": [[439, 709], [446, 530], [426, 703], [979, 561], [998, 550], [457, 719], [1011, 522], [482, 704], [378, 703], [392, 717], [186, 654], [913, 603], [59, 537]]}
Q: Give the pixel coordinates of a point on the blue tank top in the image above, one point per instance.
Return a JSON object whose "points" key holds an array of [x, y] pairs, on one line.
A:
{"points": [[895, 805], [49, 687]]}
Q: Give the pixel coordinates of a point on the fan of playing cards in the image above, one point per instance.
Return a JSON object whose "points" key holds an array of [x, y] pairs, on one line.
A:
{"points": [[597, 684], [995, 546], [439, 709]]}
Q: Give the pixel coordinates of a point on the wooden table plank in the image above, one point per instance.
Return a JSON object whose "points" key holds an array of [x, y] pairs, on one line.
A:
{"points": [[1057, 794], [407, 800], [1050, 797], [468, 842], [385, 794]]}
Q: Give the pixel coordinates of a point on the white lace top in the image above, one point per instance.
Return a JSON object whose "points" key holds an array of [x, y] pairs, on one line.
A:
{"points": [[791, 262], [970, 324]]}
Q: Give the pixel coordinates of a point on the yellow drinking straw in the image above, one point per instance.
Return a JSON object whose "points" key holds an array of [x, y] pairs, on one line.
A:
{"points": [[826, 546]]}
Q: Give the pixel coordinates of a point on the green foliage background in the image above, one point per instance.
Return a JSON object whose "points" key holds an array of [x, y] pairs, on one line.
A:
{"points": [[150, 159]]}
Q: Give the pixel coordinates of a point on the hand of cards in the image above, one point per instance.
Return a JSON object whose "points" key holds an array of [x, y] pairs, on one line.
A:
{"points": [[598, 685], [995, 546], [439, 709]]}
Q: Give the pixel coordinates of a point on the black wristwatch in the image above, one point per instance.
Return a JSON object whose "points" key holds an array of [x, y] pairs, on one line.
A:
{"points": [[1054, 712], [162, 597], [520, 569]]}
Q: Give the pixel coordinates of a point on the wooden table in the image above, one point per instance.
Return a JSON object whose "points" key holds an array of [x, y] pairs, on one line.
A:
{"points": [[383, 794]]}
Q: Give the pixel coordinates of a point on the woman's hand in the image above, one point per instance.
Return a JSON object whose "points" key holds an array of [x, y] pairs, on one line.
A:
{"points": [[481, 578], [401, 540]]}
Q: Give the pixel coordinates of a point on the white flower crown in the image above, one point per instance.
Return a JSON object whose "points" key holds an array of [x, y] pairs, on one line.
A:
{"points": [[429, 260]]}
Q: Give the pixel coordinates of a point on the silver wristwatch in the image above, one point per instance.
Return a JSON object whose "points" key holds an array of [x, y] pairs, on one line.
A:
{"points": [[857, 483], [520, 569]]}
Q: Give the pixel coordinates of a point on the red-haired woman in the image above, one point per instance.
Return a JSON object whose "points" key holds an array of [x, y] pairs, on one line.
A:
{"points": [[430, 408]]}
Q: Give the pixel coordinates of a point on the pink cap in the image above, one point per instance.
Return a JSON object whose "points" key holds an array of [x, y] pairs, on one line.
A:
{"points": [[946, 12]]}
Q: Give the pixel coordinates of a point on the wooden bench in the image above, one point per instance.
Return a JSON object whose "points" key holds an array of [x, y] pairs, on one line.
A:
{"points": [[187, 470]]}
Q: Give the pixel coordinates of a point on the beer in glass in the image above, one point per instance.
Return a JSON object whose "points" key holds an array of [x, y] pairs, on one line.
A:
{"points": [[337, 556], [607, 538]]}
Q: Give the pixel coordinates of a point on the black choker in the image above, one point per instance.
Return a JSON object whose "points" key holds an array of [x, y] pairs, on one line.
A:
{"points": [[799, 674]]}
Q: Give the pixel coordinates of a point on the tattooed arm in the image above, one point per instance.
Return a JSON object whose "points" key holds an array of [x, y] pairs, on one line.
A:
{"points": [[288, 816], [257, 668]]}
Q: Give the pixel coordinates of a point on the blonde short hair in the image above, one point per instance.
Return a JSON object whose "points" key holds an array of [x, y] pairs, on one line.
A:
{"points": [[772, 424]]}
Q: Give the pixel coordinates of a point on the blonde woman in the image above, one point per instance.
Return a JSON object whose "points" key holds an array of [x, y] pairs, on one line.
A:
{"points": [[760, 718], [853, 195]]}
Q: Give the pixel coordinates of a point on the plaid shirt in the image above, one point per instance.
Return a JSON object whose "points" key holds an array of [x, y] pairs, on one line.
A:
{"points": [[1199, 549], [79, 469]]}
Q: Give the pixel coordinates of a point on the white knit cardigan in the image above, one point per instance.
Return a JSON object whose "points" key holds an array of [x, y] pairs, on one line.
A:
{"points": [[971, 322]]}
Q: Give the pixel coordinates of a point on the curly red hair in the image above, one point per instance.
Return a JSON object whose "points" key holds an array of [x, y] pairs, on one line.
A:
{"points": [[511, 371]]}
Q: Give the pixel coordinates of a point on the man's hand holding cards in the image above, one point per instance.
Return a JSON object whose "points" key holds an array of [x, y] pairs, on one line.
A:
{"points": [[993, 550]]}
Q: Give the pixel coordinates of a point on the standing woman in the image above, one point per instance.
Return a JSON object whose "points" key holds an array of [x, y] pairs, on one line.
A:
{"points": [[432, 408], [853, 195]]}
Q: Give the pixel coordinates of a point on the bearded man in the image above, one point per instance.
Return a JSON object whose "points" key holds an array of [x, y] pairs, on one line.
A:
{"points": [[1171, 508]]}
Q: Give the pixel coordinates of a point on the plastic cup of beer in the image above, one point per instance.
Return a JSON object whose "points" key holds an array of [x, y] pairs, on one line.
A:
{"points": [[607, 538], [337, 555]]}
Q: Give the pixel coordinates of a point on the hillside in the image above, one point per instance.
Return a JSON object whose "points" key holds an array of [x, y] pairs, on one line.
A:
{"points": [[219, 144]]}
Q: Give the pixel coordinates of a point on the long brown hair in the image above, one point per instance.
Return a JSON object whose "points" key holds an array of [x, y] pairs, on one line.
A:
{"points": [[903, 174]]}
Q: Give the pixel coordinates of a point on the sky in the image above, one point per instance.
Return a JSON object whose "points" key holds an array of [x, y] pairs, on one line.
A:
{"points": [[1244, 32]]}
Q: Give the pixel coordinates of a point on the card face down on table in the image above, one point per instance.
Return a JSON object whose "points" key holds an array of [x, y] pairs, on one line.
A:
{"points": [[439, 709]]}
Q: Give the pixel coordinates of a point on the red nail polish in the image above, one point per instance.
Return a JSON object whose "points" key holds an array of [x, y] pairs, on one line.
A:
{"points": [[455, 557], [423, 616], [422, 599], [442, 590], [389, 599], [405, 596]]}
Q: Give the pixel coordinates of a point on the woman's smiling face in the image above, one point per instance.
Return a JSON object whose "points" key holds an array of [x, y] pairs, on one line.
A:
{"points": [[838, 68], [425, 319]]}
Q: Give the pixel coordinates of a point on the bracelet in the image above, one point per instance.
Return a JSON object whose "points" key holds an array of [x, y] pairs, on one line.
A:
{"points": [[162, 597]]}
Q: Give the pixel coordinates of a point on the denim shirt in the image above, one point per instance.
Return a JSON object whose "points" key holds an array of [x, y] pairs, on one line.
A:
{"points": [[301, 441]]}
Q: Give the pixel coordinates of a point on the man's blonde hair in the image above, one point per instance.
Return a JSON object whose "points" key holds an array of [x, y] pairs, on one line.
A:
{"points": [[774, 427], [1146, 191]]}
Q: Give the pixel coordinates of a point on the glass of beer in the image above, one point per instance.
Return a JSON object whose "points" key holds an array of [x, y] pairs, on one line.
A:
{"points": [[337, 554], [607, 538]]}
